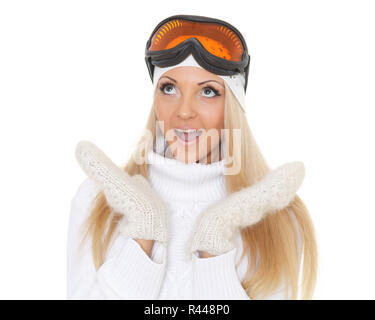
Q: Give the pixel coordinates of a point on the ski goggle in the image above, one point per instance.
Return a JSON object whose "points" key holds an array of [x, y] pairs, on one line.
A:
{"points": [[215, 44]]}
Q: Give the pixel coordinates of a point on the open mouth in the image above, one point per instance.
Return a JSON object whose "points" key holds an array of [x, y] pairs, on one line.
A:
{"points": [[188, 136]]}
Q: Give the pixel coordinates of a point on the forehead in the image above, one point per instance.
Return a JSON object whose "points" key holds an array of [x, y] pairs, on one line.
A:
{"points": [[192, 74]]}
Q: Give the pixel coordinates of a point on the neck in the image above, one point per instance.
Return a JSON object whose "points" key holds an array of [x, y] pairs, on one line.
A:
{"points": [[176, 180]]}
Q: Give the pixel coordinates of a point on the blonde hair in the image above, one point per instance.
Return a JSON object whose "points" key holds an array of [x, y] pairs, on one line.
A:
{"points": [[272, 245]]}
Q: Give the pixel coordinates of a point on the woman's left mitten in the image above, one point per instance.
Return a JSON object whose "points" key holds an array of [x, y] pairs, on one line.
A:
{"points": [[216, 226]]}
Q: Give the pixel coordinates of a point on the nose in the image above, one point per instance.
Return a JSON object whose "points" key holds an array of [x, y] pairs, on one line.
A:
{"points": [[186, 109]]}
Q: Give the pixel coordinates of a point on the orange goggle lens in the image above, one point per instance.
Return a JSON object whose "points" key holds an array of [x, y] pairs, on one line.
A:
{"points": [[216, 39]]}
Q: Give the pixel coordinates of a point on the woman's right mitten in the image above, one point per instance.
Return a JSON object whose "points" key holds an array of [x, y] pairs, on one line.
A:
{"points": [[144, 212]]}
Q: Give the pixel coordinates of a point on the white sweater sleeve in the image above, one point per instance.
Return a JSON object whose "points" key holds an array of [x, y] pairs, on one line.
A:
{"points": [[217, 278], [127, 273]]}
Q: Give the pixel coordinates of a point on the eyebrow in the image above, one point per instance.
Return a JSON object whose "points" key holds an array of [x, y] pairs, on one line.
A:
{"points": [[200, 83]]}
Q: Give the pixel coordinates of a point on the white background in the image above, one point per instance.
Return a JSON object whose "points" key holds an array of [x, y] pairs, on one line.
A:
{"points": [[74, 70]]}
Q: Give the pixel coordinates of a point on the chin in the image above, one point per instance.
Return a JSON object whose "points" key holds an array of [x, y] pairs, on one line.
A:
{"points": [[185, 156], [194, 152]]}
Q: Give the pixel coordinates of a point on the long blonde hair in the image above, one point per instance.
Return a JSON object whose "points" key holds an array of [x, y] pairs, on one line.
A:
{"points": [[272, 245]]}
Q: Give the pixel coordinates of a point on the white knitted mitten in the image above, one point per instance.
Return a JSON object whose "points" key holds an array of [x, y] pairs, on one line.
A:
{"points": [[144, 212], [217, 225]]}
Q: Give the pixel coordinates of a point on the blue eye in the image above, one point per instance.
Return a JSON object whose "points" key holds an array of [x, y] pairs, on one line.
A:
{"points": [[168, 86], [208, 89]]}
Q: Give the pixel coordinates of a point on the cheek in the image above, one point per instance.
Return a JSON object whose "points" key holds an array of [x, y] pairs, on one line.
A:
{"points": [[163, 111], [213, 118], [164, 114]]}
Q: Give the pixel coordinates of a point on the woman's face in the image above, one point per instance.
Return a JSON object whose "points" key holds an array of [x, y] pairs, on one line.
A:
{"points": [[191, 98]]}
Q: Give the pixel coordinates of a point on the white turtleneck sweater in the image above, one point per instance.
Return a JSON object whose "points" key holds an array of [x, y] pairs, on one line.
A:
{"points": [[170, 273]]}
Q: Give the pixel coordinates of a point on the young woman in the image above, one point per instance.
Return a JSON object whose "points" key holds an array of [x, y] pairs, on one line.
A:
{"points": [[196, 213]]}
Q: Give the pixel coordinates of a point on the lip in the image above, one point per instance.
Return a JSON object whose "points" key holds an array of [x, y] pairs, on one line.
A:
{"points": [[184, 142], [185, 128]]}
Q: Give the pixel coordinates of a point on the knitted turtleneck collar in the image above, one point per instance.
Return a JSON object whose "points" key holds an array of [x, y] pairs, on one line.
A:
{"points": [[176, 180]]}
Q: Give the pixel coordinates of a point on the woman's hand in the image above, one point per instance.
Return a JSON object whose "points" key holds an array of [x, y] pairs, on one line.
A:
{"points": [[204, 254], [144, 213], [146, 245], [216, 226]]}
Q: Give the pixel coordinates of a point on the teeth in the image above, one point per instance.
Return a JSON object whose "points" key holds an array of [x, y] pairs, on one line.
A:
{"points": [[192, 133], [186, 131]]}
